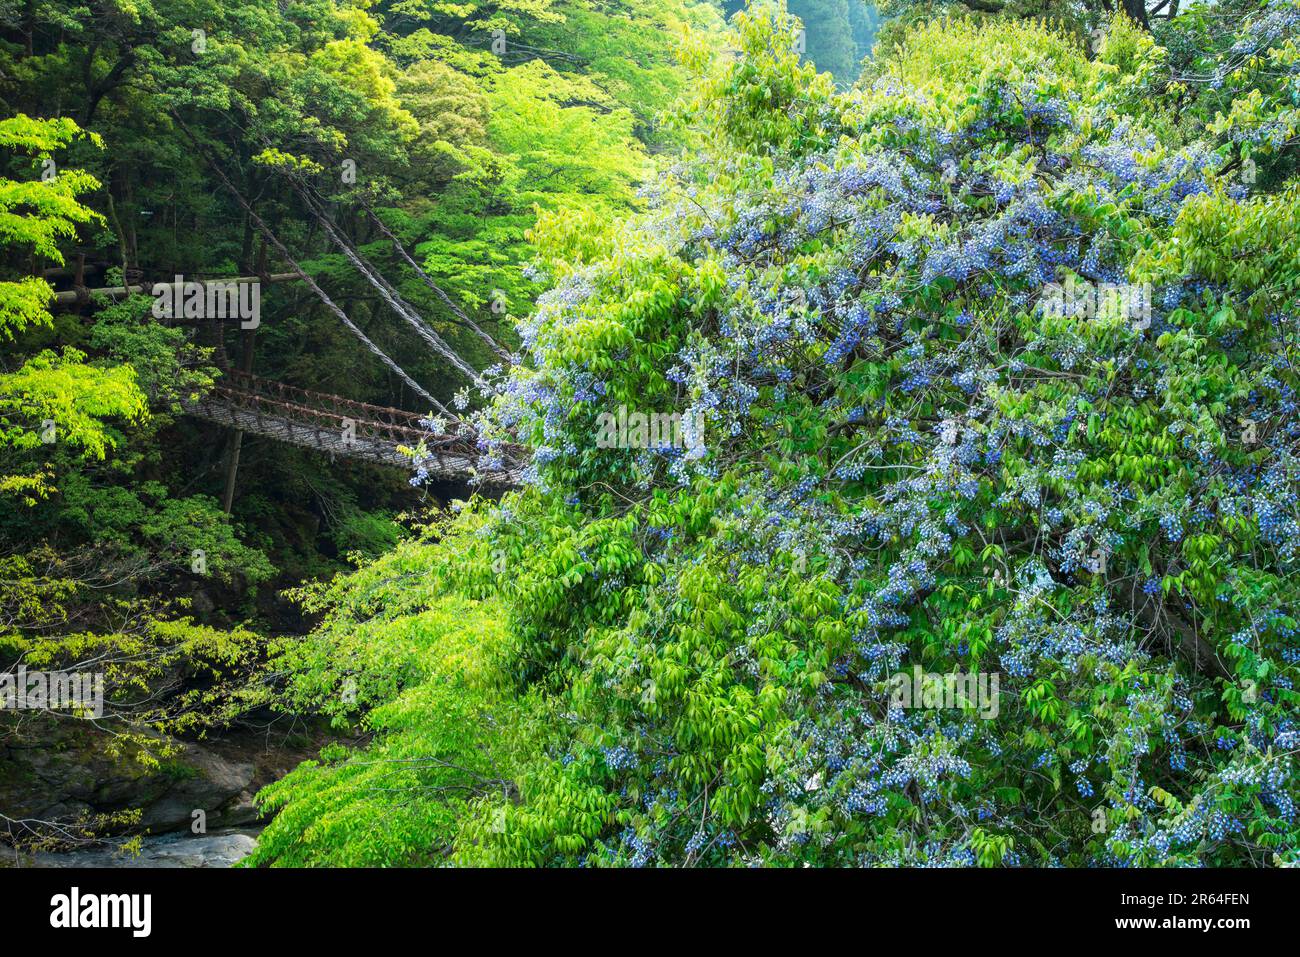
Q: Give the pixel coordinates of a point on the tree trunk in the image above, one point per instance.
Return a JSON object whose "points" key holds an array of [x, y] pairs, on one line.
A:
{"points": [[247, 338], [1137, 12]]}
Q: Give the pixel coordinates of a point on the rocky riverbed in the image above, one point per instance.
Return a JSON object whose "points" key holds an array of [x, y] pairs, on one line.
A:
{"points": [[181, 849], [64, 774]]}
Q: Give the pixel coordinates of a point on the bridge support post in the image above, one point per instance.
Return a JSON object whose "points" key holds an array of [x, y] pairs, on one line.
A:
{"points": [[232, 469], [247, 338]]}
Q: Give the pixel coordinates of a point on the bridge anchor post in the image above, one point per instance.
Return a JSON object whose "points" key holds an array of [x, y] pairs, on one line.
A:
{"points": [[232, 469]]}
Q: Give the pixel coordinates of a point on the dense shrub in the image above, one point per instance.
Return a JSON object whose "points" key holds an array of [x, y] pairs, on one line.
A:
{"points": [[909, 458]]}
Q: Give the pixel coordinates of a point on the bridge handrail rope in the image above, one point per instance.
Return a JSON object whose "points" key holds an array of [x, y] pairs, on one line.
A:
{"points": [[333, 423], [276, 391], [327, 416], [319, 410], [329, 412]]}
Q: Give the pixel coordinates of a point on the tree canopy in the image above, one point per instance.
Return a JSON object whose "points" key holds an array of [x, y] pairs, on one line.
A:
{"points": [[909, 453], [910, 460]]}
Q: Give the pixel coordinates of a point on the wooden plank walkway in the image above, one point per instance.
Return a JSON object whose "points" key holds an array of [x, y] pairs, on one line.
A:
{"points": [[343, 427]]}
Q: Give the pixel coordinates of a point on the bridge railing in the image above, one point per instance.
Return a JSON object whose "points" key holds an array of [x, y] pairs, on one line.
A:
{"points": [[331, 414]]}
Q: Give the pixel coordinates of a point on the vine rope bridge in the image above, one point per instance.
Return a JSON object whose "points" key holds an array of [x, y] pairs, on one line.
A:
{"points": [[343, 427]]}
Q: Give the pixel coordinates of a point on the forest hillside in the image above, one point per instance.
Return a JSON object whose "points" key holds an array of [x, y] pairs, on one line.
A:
{"points": [[652, 432]]}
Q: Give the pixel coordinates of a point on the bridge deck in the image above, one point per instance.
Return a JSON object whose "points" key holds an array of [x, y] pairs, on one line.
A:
{"points": [[340, 427]]}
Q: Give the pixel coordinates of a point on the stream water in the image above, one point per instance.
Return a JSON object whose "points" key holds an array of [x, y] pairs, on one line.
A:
{"points": [[177, 849]]}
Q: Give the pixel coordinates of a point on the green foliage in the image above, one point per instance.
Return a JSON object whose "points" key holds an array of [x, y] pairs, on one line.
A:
{"points": [[115, 526], [56, 618], [765, 100], [422, 664], [828, 35], [65, 422], [77, 398], [709, 639], [685, 656], [51, 396]]}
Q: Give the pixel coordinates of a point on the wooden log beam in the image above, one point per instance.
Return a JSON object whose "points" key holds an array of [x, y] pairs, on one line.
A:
{"points": [[81, 296]]}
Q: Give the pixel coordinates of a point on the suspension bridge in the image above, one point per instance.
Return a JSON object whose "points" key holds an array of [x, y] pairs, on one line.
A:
{"points": [[330, 424], [344, 428]]}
